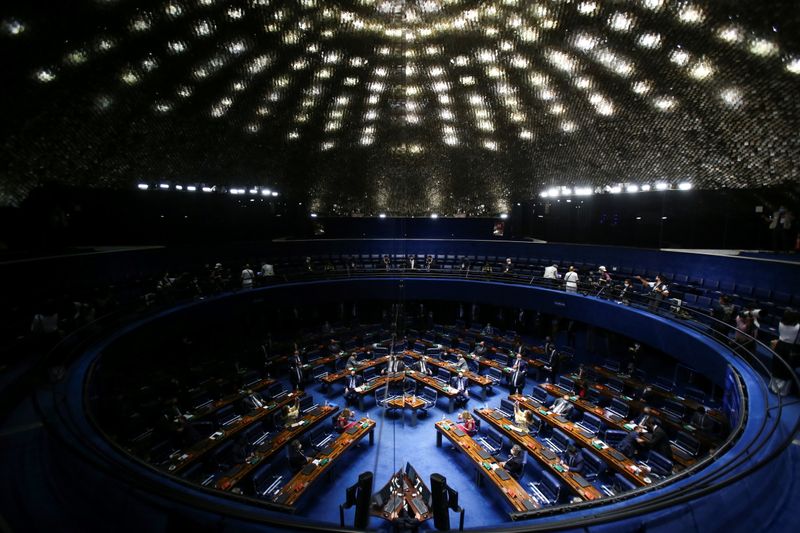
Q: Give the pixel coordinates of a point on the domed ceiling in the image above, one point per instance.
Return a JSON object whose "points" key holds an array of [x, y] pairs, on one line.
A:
{"points": [[404, 107]]}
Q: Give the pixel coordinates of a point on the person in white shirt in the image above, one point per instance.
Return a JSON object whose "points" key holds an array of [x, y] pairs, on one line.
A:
{"points": [[412, 262], [267, 270], [571, 280], [787, 346], [247, 277], [551, 275], [659, 290]]}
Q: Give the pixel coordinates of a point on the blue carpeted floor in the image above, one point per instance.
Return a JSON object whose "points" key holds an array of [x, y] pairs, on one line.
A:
{"points": [[397, 442]]}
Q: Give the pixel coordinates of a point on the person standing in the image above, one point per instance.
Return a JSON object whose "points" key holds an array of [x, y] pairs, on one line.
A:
{"points": [[659, 290], [551, 275], [519, 373], [247, 277], [787, 347], [571, 280]]}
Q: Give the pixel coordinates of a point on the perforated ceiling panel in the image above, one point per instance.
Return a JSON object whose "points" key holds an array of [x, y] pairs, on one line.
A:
{"points": [[405, 107]]}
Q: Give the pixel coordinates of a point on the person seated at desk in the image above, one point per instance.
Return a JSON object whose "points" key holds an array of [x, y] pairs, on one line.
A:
{"points": [[480, 349], [523, 418], [467, 424], [461, 385], [352, 361], [240, 451], [297, 459], [333, 347], [648, 395], [643, 420], [423, 367], [254, 400], [573, 460], [514, 462], [658, 440], [519, 372], [461, 364], [488, 331], [345, 420], [395, 365], [353, 381], [562, 406], [292, 411], [627, 446], [702, 420]]}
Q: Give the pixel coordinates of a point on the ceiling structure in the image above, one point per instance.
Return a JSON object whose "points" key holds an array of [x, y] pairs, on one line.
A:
{"points": [[400, 107]]}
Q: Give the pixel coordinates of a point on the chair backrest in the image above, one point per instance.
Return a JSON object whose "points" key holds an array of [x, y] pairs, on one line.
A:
{"points": [[260, 477], [592, 463], [695, 394], [611, 364], [251, 378], [561, 438], [507, 406], [592, 422], [419, 347], [429, 393], [306, 402], [550, 486], [615, 385], [674, 408], [688, 443], [434, 352], [495, 437], [369, 373], [381, 394], [620, 407], [660, 464], [566, 383], [222, 453], [494, 373], [380, 350], [540, 395], [443, 374], [276, 389], [225, 414], [621, 483], [501, 358]]}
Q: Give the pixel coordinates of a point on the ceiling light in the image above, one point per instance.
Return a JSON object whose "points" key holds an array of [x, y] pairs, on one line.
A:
{"points": [[685, 186], [434, 215], [661, 186], [143, 186]]}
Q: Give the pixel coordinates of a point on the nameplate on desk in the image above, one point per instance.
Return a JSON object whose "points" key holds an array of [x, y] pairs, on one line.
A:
{"points": [[502, 474], [528, 504], [580, 480], [327, 450], [308, 469], [617, 455], [548, 454]]}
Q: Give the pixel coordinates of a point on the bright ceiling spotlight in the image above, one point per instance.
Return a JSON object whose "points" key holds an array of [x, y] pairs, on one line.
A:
{"points": [[382, 215], [504, 215], [434, 215], [685, 186], [661, 186], [143, 186]]}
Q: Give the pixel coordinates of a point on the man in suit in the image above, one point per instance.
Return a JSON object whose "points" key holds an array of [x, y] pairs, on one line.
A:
{"points": [[423, 367], [552, 361], [514, 463], [461, 385], [519, 372], [562, 406], [643, 420], [254, 401], [461, 364], [573, 460], [353, 381], [480, 349], [296, 369], [395, 365], [297, 459], [352, 361], [658, 441]]}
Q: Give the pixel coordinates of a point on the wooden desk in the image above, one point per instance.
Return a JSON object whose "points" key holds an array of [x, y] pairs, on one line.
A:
{"points": [[407, 401], [534, 448], [621, 464], [516, 496], [229, 399], [267, 450], [482, 381], [639, 386], [408, 494], [446, 390], [363, 365], [586, 406], [297, 486], [636, 406], [199, 449]]}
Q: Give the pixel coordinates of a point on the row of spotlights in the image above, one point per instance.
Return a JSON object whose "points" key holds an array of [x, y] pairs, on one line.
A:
{"points": [[433, 215], [555, 192], [192, 188]]}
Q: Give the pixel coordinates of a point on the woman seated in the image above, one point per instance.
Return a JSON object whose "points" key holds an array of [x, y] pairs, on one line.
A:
{"points": [[293, 412], [523, 418], [467, 424], [345, 420]]}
